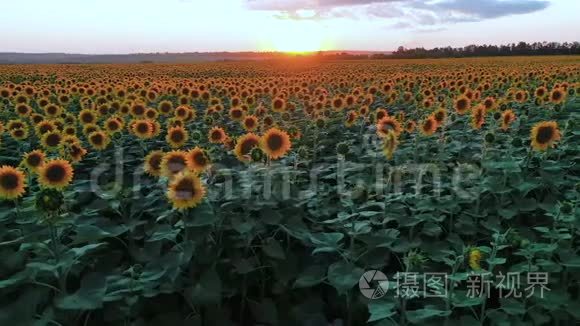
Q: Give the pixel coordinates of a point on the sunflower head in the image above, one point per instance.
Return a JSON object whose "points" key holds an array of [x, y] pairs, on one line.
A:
{"points": [[429, 126], [185, 191], [217, 135], [507, 117], [544, 135], [153, 163], [142, 128], [386, 124], [33, 160], [244, 146], [55, 174], [173, 162], [51, 140], [557, 96], [275, 143], [250, 123], [12, 183], [176, 137], [478, 116], [99, 140]]}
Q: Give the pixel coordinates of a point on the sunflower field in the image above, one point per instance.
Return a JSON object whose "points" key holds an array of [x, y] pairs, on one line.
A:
{"points": [[292, 192]]}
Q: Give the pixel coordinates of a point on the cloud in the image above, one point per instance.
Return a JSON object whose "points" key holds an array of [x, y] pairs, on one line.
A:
{"points": [[492, 8], [401, 13], [296, 5]]}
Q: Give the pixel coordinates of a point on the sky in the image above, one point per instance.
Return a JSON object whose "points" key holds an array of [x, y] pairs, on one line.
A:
{"points": [[139, 26]]}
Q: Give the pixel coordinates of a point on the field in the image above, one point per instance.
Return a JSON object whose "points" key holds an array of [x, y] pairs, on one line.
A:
{"points": [[293, 192]]}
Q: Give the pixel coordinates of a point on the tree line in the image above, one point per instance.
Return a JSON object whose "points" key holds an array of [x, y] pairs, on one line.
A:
{"points": [[513, 49]]}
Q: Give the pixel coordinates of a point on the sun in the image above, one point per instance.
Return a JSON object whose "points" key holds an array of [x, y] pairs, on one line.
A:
{"points": [[297, 38]]}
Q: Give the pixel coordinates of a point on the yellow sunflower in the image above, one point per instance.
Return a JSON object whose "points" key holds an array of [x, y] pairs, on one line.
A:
{"points": [[197, 159], [12, 183], [56, 174], [544, 134], [33, 160], [153, 163], [185, 191], [275, 143], [176, 137], [244, 146]]}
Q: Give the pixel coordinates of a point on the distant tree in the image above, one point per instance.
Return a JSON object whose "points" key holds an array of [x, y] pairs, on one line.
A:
{"points": [[521, 48]]}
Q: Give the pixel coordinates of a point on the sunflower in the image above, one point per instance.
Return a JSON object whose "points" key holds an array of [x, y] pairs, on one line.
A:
{"points": [[197, 159], [544, 134], [507, 117], [19, 133], [278, 105], [388, 123], [275, 143], [143, 129], [90, 128], [99, 140], [557, 96], [351, 118], [51, 140], [153, 163], [244, 146], [390, 143], [137, 110], [338, 103], [87, 116], [521, 96], [52, 110], [173, 162], [56, 174], [410, 126], [12, 182], [489, 103], [478, 116], [462, 104], [540, 92], [165, 107], [69, 131], [176, 137], [44, 126], [113, 125], [74, 151], [23, 110], [33, 160], [185, 191], [236, 114], [250, 123], [429, 126], [474, 259], [217, 135], [16, 124], [182, 112], [380, 114], [440, 115]]}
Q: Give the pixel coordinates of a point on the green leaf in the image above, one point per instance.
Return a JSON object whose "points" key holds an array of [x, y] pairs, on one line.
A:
{"points": [[313, 275], [89, 296], [344, 276], [420, 315], [201, 215], [380, 310]]}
